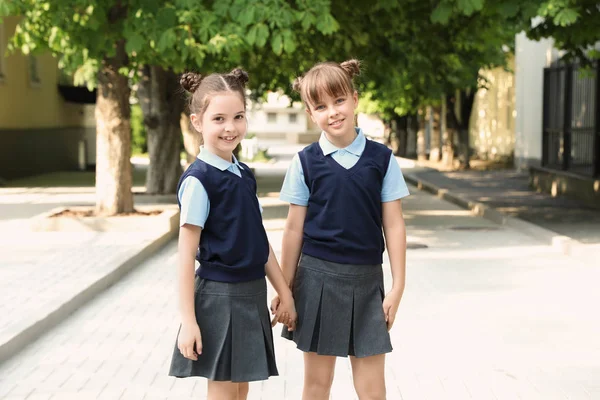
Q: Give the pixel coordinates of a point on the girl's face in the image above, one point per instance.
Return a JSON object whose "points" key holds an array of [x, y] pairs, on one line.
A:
{"points": [[335, 115], [223, 124]]}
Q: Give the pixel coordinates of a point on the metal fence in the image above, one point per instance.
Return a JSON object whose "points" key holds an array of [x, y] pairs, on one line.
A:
{"points": [[571, 137]]}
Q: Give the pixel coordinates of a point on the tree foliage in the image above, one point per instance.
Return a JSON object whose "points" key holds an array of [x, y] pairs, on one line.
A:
{"points": [[573, 24], [94, 39]]}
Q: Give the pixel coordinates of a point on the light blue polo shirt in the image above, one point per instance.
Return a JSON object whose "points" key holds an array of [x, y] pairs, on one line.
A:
{"points": [[195, 204], [295, 191]]}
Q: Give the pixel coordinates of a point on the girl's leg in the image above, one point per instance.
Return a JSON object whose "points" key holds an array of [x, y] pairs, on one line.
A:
{"points": [[318, 376], [243, 389], [369, 377], [218, 390]]}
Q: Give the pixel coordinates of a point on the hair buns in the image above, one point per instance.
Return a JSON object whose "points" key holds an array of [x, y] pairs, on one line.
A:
{"points": [[352, 67], [297, 85], [190, 81], [240, 75]]}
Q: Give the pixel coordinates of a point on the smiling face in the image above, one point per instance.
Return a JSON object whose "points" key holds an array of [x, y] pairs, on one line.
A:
{"points": [[334, 115], [223, 123], [330, 99]]}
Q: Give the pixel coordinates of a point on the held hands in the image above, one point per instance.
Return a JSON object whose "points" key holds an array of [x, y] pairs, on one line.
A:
{"points": [[189, 341], [284, 312], [390, 307]]}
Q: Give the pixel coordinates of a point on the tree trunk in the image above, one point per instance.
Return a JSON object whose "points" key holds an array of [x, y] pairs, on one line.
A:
{"points": [[422, 135], [393, 141], [192, 140], [401, 134], [113, 137], [162, 106], [435, 149], [463, 114], [447, 146], [411, 139]]}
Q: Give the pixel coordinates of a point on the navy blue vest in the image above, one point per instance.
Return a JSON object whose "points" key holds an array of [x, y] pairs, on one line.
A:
{"points": [[343, 220], [233, 245]]}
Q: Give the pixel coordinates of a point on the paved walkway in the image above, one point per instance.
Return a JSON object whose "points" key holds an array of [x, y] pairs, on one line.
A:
{"points": [[488, 313], [45, 276], [508, 191]]}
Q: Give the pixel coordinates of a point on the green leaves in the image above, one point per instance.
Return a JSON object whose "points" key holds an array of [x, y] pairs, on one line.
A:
{"points": [[509, 8], [283, 41], [167, 40], [442, 13], [562, 12], [326, 24], [246, 16], [566, 17], [289, 41], [444, 10], [5, 8], [166, 17], [468, 7], [277, 43], [258, 35], [135, 43]]}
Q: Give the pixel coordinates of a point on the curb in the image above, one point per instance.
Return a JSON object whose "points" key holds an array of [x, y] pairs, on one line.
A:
{"points": [[37, 325], [566, 245]]}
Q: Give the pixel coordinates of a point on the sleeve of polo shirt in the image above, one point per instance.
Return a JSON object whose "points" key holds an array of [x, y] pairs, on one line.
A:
{"points": [[394, 187], [294, 189], [194, 202]]}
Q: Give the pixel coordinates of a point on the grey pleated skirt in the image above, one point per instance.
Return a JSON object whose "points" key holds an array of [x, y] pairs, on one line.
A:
{"points": [[237, 340], [340, 309]]}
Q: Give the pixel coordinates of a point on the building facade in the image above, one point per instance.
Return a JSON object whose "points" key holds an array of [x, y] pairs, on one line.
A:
{"points": [[557, 135], [40, 131]]}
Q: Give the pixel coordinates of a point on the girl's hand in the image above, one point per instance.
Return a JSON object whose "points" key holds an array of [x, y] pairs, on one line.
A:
{"points": [[285, 312], [390, 307], [189, 341], [274, 306]]}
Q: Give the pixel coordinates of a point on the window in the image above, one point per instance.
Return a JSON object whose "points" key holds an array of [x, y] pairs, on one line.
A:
{"points": [[271, 118], [2, 51], [293, 118], [34, 73]]}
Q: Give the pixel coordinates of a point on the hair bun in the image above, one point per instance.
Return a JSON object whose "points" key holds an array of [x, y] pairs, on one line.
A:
{"points": [[352, 67], [240, 75], [297, 85], [190, 81]]}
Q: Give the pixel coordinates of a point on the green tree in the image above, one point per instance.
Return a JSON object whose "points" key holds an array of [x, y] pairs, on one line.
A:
{"points": [[412, 54], [574, 25], [167, 38], [87, 38], [491, 26], [107, 42]]}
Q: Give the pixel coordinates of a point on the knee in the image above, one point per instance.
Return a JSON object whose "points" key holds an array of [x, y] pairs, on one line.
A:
{"points": [[370, 390], [222, 391], [318, 386]]}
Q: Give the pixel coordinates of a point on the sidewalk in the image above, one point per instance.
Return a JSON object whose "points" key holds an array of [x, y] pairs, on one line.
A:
{"points": [[504, 196], [480, 320], [46, 276]]}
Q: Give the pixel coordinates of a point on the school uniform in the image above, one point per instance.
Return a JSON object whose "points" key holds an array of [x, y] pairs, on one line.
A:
{"points": [[338, 288], [230, 291]]}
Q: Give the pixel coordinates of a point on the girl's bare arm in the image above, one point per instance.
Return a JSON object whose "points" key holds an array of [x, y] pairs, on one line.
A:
{"points": [[286, 310], [292, 241], [394, 230], [189, 335]]}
